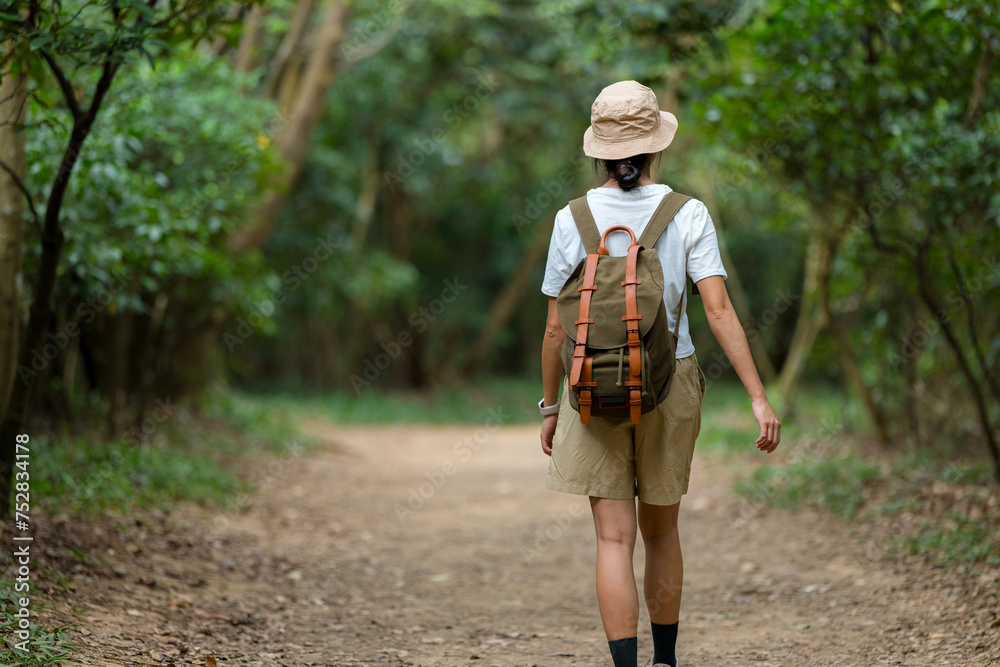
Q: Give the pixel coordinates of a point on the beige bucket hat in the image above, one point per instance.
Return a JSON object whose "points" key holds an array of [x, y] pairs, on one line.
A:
{"points": [[626, 120]]}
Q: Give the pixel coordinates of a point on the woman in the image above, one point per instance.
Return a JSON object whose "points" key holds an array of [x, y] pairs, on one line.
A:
{"points": [[613, 461]]}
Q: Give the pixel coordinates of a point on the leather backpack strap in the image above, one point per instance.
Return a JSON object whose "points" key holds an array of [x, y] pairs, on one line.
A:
{"points": [[584, 400], [585, 224], [662, 216], [584, 321], [631, 319]]}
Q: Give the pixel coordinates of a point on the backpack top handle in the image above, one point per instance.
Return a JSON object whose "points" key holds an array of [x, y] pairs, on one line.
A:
{"points": [[603, 249]]}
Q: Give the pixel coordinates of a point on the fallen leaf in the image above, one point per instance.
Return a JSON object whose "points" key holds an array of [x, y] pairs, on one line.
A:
{"points": [[215, 617], [179, 600], [210, 661]]}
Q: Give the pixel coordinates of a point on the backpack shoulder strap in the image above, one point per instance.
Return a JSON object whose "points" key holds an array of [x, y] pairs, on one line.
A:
{"points": [[585, 224], [662, 216]]}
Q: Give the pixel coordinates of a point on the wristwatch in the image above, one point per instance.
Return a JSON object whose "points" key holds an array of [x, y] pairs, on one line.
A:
{"points": [[546, 410]]}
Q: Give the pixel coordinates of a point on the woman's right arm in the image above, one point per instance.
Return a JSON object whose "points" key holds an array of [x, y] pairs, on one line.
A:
{"points": [[552, 370]]}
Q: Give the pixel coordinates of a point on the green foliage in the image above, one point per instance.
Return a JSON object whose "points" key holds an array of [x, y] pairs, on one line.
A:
{"points": [[157, 194], [868, 112], [45, 647], [956, 539], [915, 504], [834, 483], [906, 506], [468, 404], [463, 124], [91, 33], [185, 459], [83, 475], [451, 137]]}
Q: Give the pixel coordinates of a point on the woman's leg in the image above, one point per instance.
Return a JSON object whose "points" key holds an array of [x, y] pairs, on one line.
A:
{"points": [[664, 577], [664, 565], [617, 597]]}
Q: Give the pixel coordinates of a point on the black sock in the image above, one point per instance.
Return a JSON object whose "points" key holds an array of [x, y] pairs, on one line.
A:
{"points": [[664, 643], [625, 652]]}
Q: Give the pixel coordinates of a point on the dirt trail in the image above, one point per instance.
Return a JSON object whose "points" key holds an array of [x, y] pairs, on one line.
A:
{"points": [[441, 546]]}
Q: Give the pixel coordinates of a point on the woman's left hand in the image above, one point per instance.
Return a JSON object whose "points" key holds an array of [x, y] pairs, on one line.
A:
{"points": [[548, 430]]}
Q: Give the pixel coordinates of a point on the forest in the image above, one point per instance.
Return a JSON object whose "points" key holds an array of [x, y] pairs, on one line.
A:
{"points": [[349, 203]]}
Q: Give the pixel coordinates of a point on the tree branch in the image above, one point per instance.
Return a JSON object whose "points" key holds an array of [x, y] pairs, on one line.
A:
{"points": [[24, 190], [925, 288], [355, 54], [103, 85], [980, 82], [290, 44], [971, 319], [878, 241], [67, 87]]}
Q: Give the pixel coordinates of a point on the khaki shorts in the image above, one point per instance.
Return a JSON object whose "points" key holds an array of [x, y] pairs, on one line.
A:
{"points": [[611, 458]]}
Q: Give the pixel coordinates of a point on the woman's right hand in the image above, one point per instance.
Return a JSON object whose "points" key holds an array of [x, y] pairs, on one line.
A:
{"points": [[548, 430], [770, 427]]}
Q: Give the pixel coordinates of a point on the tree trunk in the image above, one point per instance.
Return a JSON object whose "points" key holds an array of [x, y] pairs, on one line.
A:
{"points": [[292, 142], [807, 326], [220, 45], [911, 376], [13, 113], [506, 303], [925, 288], [980, 83], [121, 326], [40, 314], [843, 347], [248, 54], [290, 45]]}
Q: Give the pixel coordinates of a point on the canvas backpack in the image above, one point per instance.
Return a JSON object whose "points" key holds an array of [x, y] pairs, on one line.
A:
{"points": [[619, 350]]}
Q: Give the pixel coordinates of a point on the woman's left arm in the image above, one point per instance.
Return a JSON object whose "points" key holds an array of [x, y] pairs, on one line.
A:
{"points": [[729, 332]]}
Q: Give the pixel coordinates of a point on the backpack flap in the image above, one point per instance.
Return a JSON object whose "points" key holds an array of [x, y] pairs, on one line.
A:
{"points": [[610, 331]]}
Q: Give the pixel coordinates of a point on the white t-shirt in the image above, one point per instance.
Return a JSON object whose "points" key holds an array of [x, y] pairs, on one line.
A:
{"points": [[689, 245]]}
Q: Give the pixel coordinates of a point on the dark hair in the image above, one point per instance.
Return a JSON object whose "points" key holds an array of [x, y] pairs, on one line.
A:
{"points": [[627, 171]]}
